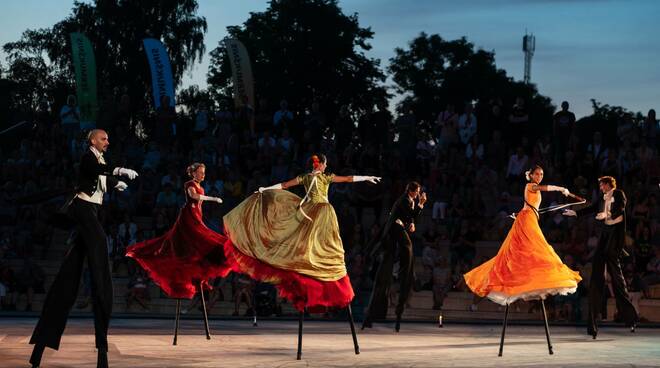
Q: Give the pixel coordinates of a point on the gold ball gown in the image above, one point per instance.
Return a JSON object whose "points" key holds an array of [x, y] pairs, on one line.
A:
{"points": [[293, 243]]}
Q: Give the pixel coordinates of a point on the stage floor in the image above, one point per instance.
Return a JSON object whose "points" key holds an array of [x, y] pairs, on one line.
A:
{"points": [[138, 343]]}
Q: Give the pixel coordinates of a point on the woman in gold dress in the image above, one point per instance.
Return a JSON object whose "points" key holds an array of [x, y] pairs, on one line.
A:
{"points": [[275, 236]]}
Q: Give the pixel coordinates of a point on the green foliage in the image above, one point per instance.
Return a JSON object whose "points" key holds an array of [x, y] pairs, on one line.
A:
{"points": [[304, 50], [191, 96], [613, 113], [31, 72], [116, 29], [432, 72]]}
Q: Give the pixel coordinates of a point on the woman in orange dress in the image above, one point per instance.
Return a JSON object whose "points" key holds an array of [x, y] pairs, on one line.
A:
{"points": [[526, 267]]}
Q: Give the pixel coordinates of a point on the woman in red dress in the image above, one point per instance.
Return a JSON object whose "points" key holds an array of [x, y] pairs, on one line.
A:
{"points": [[189, 253]]}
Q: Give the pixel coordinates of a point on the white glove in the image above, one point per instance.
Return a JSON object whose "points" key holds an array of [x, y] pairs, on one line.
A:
{"points": [[276, 186], [601, 215], [569, 213], [121, 171], [121, 186], [210, 199], [556, 188], [371, 179]]}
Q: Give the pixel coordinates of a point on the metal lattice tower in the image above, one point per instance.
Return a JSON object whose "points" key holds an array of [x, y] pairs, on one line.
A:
{"points": [[529, 45]]}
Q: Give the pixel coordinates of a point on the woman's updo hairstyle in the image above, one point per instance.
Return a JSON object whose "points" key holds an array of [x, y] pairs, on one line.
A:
{"points": [[193, 167], [528, 173], [316, 161]]}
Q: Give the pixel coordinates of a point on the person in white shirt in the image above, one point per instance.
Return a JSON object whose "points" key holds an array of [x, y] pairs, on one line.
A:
{"points": [[611, 210], [282, 117], [467, 125], [96, 177], [70, 119], [517, 164], [201, 120]]}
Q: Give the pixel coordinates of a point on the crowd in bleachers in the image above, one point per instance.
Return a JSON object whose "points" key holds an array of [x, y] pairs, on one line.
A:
{"points": [[470, 160]]}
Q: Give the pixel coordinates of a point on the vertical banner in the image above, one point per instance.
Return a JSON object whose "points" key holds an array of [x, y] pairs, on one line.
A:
{"points": [[85, 67], [161, 71], [241, 71]]}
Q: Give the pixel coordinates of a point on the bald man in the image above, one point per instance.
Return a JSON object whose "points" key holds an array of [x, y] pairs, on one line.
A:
{"points": [[95, 178]]}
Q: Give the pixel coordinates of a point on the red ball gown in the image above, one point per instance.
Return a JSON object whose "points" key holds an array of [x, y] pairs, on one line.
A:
{"points": [[188, 254]]}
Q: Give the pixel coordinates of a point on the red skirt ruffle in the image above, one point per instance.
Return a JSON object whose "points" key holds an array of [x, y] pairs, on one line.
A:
{"points": [[302, 291], [183, 258]]}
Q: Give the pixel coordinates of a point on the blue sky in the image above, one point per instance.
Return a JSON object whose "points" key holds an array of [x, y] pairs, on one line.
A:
{"points": [[603, 49]]}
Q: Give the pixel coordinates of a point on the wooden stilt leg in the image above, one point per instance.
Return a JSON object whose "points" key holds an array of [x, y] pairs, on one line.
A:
{"points": [[206, 317], [176, 320], [547, 330], [350, 320], [506, 316], [300, 332], [254, 309]]}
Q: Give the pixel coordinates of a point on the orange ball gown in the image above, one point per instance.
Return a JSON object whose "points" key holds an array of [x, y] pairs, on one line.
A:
{"points": [[526, 266]]}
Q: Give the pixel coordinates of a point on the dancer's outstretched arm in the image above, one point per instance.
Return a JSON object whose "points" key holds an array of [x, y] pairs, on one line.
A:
{"points": [[287, 184], [550, 188], [196, 196], [355, 178]]}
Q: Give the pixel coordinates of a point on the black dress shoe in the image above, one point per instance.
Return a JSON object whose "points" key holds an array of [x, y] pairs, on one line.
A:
{"points": [[367, 324], [633, 327], [397, 324], [592, 333], [37, 352], [102, 361]]}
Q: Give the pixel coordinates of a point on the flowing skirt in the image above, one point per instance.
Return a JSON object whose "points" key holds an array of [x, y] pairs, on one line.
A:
{"points": [[188, 254], [270, 240], [526, 267]]}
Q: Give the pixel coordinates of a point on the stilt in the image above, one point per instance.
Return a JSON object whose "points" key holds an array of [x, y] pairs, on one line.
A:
{"points": [[176, 320], [206, 317], [547, 330], [506, 316], [350, 320], [300, 329], [254, 309], [37, 352]]}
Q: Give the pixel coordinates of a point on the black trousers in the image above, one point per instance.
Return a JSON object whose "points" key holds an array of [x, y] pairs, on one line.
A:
{"points": [[90, 243], [397, 239], [608, 252]]}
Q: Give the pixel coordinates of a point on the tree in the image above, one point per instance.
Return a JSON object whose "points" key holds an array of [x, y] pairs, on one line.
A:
{"points": [[304, 50], [605, 119], [30, 72], [432, 72], [191, 96], [116, 29]]}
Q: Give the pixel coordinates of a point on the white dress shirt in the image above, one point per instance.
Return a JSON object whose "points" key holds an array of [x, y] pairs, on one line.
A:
{"points": [[609, 199], [97, 196]]}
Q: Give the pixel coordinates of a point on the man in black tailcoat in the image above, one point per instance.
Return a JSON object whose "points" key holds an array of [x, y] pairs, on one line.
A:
{"points": [[611, 210], [96, 177], [396, 237]]}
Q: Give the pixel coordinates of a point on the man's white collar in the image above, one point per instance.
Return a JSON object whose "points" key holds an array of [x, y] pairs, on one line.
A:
{"points": [[608, 194], [95, 152]]}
